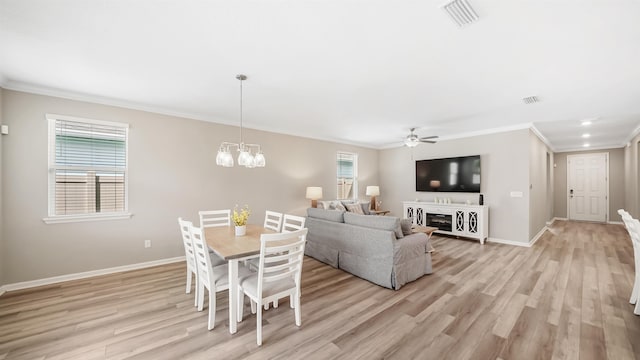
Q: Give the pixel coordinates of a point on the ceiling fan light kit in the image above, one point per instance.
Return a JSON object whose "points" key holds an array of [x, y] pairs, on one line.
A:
{"points": [[413, 140]]}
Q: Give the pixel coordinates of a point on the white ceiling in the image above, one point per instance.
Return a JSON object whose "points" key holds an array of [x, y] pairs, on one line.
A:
{"points": [[353, 71]]}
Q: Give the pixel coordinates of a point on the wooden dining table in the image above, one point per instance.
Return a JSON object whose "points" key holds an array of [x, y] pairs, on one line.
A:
{"points": [[224, 242]]}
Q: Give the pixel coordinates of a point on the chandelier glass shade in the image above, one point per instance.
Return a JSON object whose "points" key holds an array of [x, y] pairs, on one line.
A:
{"points": [[250, 155]]}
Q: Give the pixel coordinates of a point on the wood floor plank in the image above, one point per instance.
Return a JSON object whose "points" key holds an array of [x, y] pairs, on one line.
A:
{"points": [[567, 297]]}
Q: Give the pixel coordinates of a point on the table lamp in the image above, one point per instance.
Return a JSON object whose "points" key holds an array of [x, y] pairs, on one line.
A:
{"points": [[314, 193], [373, 191]]}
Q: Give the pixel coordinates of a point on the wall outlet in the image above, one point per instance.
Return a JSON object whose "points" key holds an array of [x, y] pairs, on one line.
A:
{"points": [[147, 243]]}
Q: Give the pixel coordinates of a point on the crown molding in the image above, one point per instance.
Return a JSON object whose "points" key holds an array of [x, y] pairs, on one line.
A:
{"points": [[542, 138], [103, 100], [582, 149], [96, 99], [631, 136]]}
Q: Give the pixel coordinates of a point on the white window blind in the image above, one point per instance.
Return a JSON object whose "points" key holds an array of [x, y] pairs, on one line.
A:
{"points": [[87, 167], [347, 171]]}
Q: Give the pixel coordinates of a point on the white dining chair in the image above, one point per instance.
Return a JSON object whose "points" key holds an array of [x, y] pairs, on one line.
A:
{"points": [[213, 279], [278, 276], [215, 218], [273, 221], [212, 218], [289, 223], [633, 228], [292, 223], [190, 256]]}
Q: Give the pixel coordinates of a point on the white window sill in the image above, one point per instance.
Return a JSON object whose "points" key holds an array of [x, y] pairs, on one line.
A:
{"points": [[83, 218]]}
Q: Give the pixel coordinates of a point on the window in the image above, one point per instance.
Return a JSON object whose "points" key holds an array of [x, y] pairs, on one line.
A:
{"points": [[347, 165], [87, 169]]}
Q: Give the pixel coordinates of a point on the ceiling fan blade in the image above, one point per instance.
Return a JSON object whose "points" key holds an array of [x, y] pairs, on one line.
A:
{"points": [[429, 137], [428, 141]]}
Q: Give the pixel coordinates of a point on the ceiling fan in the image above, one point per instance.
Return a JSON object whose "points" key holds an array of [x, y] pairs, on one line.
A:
{"points": [[412, 140]]}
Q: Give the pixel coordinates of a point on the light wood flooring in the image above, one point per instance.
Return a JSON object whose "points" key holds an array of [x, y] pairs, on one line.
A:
{"points": [[564, 298]]}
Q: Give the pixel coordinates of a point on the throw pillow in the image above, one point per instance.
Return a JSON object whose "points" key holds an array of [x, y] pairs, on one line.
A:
{"points": [[338, 205], [355, 208], [324, 205], [406, 224], [365, 208]]}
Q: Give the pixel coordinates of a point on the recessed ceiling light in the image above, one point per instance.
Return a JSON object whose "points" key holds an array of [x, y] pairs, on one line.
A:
{"points": [[586, 145], [586, 123], [586, 136]]}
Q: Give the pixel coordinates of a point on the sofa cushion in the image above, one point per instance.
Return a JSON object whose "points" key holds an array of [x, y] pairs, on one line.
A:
{"points": [[330, 215], [355, 208], [390, 223], [406, 224]]}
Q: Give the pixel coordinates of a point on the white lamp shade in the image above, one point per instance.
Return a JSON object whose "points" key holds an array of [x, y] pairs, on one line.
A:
{"points": [[314, 192], [373, 191]]}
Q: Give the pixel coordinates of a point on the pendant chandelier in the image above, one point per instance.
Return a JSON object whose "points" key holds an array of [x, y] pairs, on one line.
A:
{"points": [[245, 157]]}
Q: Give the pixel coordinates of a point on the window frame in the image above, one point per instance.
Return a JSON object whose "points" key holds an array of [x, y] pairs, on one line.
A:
{"points": [[355, 174], [51, 173]]}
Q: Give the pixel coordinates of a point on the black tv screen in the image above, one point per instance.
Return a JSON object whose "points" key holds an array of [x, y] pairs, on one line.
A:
{"points": [[459, 174]]}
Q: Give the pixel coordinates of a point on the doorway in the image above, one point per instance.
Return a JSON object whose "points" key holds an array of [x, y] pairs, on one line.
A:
{"points": [[588, 187]]}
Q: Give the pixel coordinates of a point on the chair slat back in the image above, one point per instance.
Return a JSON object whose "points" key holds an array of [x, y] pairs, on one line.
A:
{"points": [[632, 225], [189, 252], [281, 257], [214, 218], [202, 255], [292, 223], [273, 220]]}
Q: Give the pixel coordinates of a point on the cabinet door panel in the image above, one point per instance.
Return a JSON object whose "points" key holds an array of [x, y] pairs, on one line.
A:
{"points": [[472, 222], [420, 216], [458, 222]]}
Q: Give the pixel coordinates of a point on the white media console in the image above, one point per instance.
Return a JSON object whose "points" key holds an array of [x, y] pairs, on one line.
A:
{"points": [[452, 219]]}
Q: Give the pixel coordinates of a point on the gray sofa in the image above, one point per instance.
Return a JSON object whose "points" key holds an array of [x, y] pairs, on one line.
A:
{"points": [[368, 246]]}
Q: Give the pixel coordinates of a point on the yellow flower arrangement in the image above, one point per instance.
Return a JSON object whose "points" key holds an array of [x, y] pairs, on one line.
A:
{"points": [[240, 217]]}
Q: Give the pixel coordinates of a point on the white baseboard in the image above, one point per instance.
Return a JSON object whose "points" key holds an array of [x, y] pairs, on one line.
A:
{"points": [[549, 223], [615, 222], [538, 236], [87, 274], [508, 242]]}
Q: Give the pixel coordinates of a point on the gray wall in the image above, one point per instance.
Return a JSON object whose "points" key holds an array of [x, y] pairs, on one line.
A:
{"points": [[505, 168], [616, 182], [172, 173], [540, 185], [631, 175]]}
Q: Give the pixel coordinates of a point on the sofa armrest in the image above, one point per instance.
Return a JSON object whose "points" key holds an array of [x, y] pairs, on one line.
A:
{"points": [[409, 247]]}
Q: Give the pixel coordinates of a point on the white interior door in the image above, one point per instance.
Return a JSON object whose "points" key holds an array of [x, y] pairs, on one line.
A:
{"points": [[587, 187]]}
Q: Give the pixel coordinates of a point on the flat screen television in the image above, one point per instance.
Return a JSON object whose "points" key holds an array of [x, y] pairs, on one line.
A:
{"points": [[458, 174]]}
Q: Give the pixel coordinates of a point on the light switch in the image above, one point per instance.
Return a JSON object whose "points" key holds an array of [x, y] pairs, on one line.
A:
{"points": [[516, 194], [4, 129]]}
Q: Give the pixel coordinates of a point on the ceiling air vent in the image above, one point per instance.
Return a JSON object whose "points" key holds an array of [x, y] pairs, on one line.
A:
{"points": [[531, 100], [460, 12]]}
